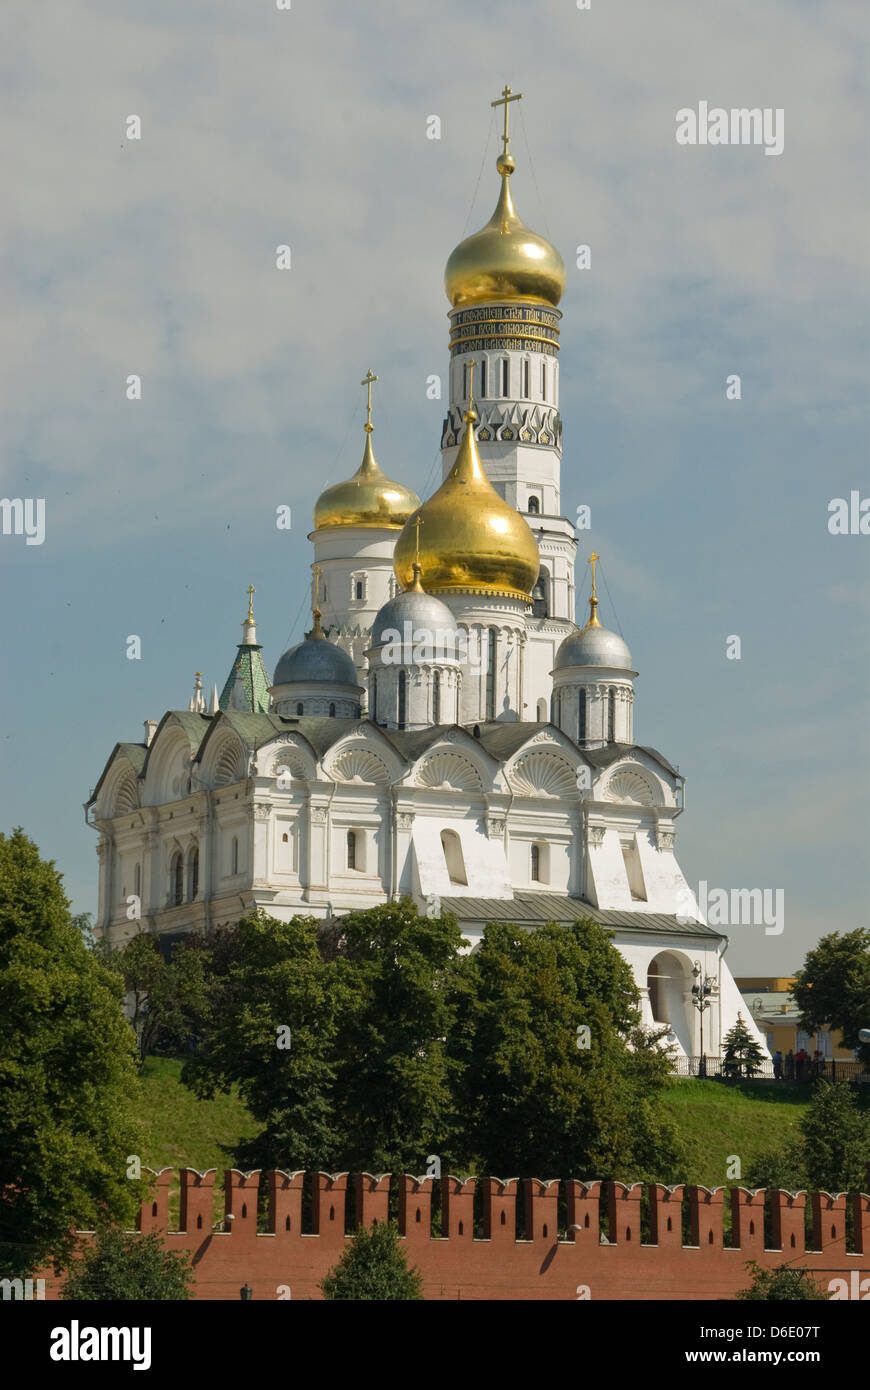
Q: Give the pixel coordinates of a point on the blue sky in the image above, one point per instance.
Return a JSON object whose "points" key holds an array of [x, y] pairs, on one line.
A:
{"points": [[308, 127]]}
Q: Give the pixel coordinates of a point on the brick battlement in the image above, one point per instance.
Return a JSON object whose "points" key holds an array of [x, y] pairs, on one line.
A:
{"points": [[577, 1239]]}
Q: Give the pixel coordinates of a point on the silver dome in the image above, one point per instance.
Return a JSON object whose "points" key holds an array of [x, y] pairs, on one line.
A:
{"points": [[425, 613], [316, 660], [594, 646]]}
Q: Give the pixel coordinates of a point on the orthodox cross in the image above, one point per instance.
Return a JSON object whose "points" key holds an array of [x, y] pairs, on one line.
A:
{"points": [[417, 524], [367, 382], [471, 364], [251, 592], [506, 97], [316, 571], [591, 561]]}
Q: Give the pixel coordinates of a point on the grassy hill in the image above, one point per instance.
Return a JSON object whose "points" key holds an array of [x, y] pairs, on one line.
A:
{"points": [[716, 1120]]}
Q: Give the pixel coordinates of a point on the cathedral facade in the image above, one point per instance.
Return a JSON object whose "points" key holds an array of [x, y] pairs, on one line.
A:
{"points": [[446, 730]]}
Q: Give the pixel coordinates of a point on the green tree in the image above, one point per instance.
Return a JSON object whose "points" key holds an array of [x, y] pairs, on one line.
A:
{"points": [[68, 1085], [743, 1055], [401, 973], [374, 1267], [165, 995], [780, 1285], [836, 1140], [532, 1100], [833, 988], [271, 1024], [129, 1267]]}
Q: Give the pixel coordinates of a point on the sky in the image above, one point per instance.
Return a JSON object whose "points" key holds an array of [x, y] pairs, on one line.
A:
{"points": [[307, 127]]}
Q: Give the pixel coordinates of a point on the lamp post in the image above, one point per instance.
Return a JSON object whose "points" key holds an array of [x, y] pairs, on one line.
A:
{"points": [[701, 991]]}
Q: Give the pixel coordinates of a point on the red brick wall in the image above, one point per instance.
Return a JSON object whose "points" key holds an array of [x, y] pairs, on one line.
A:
{"points": [[552, 1263]]}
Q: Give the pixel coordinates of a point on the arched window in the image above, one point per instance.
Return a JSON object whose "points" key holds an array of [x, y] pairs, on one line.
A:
{"points": [[192, 874], [358, 589], [656, 1002], [332, 711], [137, 880], [436, 697], [534, 506], [505, 367], [535, 874], [351, 849], [403, 685], [526, 378], [323, 591], [483, 376], [177, 879], [544, 380], [540, 600], [581, 716], [452, 847], [299, 706], [611, 714], [234, 856], [542, 712], [490, 673]]}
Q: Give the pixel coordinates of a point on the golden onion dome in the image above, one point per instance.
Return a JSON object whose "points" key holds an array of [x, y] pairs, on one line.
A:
{"points": [[505, 261], [369, 498], [470, 540]]}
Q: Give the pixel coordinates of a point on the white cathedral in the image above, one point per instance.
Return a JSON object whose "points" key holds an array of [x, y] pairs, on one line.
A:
{"points": [[446, 730]]}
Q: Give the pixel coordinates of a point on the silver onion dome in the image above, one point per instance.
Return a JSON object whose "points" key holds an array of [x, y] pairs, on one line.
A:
{"points": [[594, 645], [317, 661]]}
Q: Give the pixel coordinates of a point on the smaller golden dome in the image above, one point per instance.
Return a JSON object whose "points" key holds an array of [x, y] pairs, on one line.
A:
{"points": [[470, 540], [505, 261], [369, 498]]}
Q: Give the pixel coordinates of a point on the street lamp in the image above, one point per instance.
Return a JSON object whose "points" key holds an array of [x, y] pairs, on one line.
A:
{"points": [[701, 991]]}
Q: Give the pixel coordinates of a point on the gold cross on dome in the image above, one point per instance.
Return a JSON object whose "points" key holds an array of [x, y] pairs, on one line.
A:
{"points": [[591, 561], [367, 382], [506, 97], [417, 524], [251, 592], [316, 571]]}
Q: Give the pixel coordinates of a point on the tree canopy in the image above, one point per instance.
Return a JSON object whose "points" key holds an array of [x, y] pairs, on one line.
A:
{"points": [[833, 988], [68, 1080], [373, 1267]]}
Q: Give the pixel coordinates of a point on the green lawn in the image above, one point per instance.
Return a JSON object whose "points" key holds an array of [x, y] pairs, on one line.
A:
{"points": [[184, 1132], [717, 1120]]}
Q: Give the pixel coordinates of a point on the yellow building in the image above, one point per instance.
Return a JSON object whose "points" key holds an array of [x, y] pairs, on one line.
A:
{"points": [[768, 1001]]}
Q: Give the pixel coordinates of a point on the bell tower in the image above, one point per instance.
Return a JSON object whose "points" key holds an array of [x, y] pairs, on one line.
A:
{"points": [[504, 284]]}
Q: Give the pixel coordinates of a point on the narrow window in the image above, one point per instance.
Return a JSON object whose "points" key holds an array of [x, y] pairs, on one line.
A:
{"points": [[351, 849], [402, 699], [374, 708], [137, 880], [436, 697], [298, 706], [323, 591], [534, 506], [581, 716], [633, 870], [177, 880], [525, 378], [544, 380], [483, 377], [359, 588], [490, 674], [504, 376], [332, 711], [193, 875], [536, 864], [234, 858], [611, 714], [452, 847]]}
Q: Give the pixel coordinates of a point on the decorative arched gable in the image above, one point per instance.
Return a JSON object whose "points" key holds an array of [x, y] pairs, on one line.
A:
{"points": [[168, 769], [545, 774], [631, 786], [358, 764], [448, 771]]}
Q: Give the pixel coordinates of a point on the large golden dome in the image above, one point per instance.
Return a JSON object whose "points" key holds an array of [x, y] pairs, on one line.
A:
{"points": [[504, 261], [471, 540], [369, 498]]}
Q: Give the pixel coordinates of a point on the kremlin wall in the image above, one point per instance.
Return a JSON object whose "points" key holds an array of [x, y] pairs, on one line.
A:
{"points": [[580, 1240]]}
